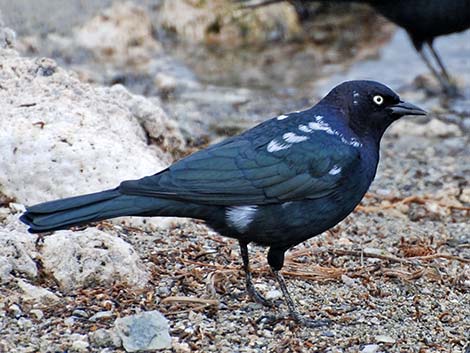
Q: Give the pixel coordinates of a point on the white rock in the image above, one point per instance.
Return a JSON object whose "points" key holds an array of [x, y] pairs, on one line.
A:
{"points": [[384, 339], [37, 313], [370, 348], [465, 195], [24, 323], [105, 338], [15, 310], [89, 258], [142, 332], [273, 294], [348, 280], [79, 343], [7, 37], [194, 22], [121, 36], [61, 137], [100, 315], [5, 269], [17, 250], [70, 321], [36, 294]]}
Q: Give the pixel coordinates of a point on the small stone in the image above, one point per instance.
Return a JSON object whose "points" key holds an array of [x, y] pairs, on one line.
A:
{"points": [[348, 280], [70, 321], [38, 294], [328, 334], [273, 294], [24, 323], [374, 251], [165, 83], [142, 332], [38, 314], [384, 339], [79, 343], [465, 195], [101, 315], [15, 311], [80, 313], [370, 348], [105, 338], [17, 207]]}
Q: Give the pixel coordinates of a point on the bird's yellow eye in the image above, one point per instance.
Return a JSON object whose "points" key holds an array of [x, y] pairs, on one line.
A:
{"points": [[378, 99]]}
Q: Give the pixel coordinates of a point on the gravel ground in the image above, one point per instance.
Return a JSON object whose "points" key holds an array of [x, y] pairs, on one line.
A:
{"points": [[393, 277], [394, 274]]}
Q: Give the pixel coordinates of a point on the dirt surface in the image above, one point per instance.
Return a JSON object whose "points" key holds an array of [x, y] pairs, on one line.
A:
{"points": [[393, 277]]}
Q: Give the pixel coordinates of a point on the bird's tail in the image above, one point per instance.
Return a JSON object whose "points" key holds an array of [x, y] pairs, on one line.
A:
{"points": [[79, 210]]}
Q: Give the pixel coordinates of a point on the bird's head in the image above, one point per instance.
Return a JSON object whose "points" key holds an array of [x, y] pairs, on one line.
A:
{"points": [[370, 106]]}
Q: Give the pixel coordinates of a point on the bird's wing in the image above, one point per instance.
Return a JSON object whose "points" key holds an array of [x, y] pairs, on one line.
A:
{"points": [[242, 171]]}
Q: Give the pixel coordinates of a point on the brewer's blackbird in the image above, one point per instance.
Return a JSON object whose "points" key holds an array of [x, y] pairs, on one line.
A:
{"points": [[423, 20], [282, 182]]}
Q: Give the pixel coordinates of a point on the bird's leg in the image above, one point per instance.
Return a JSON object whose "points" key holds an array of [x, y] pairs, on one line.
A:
{"points": [[250, 288], [450, 88], [296, 316], [438, 60], [436, 74], [442, 77], [276, 261]]}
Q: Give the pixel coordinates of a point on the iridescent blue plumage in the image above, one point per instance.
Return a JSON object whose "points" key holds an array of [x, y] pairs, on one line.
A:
{"points": [[277, 184]]}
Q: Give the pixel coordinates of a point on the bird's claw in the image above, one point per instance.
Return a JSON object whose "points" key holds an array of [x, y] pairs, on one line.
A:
{"points": [[311, 323], [258, 298]]}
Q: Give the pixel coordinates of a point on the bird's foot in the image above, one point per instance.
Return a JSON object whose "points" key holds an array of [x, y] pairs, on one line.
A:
{"points": [[308, 322], [297, 318], [451, 91], [257, 297]]}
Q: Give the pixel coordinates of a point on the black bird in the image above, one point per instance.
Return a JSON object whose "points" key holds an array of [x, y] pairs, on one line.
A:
{"points": [[423, 20], [280, 183]]}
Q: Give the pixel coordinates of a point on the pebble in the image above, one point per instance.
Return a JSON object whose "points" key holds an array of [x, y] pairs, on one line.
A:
{"points": [[370, 348], [101, 315], [145, 331], [80, 313], [15, 310], [37, 313], [384, 339], [105, 338], [348, 280], [69, 321], [273, 294], [24, 323], [79, 343], [328, 334]]}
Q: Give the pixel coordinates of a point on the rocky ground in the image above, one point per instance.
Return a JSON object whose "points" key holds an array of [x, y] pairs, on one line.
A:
{"points": [[139, 84]]}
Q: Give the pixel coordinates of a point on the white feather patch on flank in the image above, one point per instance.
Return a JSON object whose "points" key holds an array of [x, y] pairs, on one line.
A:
{"points": [[240, 217], [274, 146], [293, 138], [335, 170], [282, 117]]}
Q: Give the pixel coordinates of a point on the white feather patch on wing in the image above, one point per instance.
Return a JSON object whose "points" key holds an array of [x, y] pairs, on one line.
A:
{"points": [[335, 170], [274, 146], [290, 137]]}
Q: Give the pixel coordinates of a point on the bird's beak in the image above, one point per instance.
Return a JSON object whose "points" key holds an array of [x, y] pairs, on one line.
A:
{"points": [[405, 108]]}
